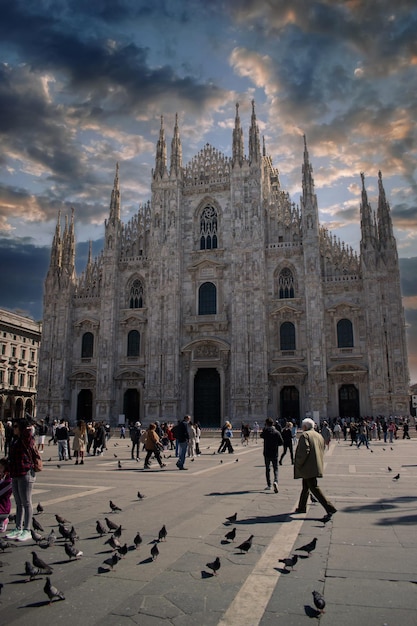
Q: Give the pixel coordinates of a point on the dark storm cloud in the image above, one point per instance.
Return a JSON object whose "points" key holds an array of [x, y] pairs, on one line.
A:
{"points": [[408, 272], [96, 67]]}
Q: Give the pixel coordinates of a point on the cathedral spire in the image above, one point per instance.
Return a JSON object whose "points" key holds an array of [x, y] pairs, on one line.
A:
{"points": [[161, 153], [237, 140], [367, 219], [115, 198], [254, 142], [176, 151], [310, 212], [385, 232], [308, 180], [56, 251], [68, 245]]}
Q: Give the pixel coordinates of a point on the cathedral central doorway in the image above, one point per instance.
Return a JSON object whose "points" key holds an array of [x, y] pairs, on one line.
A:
{"points": [[349, 401], [207, 409], [85, 405], [290, 404], [131, 407]]}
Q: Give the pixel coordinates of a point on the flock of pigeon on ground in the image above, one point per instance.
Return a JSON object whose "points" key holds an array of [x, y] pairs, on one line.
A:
{"points": [[38, 567]]}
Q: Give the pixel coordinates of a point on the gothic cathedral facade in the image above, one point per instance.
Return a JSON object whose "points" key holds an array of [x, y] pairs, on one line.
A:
{"points": [[223, 299]]}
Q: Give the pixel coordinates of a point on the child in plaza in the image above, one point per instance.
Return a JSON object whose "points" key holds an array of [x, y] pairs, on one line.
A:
{"points": [[5, 494]]}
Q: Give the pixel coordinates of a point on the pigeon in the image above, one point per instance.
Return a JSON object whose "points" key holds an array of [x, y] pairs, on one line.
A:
{"points": [[111, 525], [39, 508], [140, 495], [36, 525], [308, 547], [389, 468], [119, 465], [37, 562], [58, 466], [162, 535], [73, 535], [52, 592], [154, 551], [215, 566], [64, 531], [72, 552], [114, 507], [137, 540], [123, 550], [5, 544], [232, 518], [31, 571], [100, 528], [118, 532], [113, 560], [61, 520], [236, 460], [113, 543], [246, 545], [50, 459], [397, 477], [37, 537], [319, 601], [115, 456], [290, 561], [230, 536]]}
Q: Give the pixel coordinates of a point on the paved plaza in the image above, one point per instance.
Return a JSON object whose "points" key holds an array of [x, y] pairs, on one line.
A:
{"points": [[365, 561]]}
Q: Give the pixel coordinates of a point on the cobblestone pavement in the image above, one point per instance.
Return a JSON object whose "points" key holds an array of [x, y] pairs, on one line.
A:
{"points": [[365, 562]]}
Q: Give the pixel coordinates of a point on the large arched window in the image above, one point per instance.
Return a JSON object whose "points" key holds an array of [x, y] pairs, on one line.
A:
{"points": [[344, 334], [207, 297], [87, 346], [133, 343], [208, 228], [136, 295], [286, 283], [287, 336]]}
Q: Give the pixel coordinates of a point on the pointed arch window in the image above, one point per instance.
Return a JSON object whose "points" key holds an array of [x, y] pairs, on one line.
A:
{"points": [[207, 299], [287, 336], [136, 295], [133, 343], [344, 333], [208, 228], [87, 346], [286, 283]]}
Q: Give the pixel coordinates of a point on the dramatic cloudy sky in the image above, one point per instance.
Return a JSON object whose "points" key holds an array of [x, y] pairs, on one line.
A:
{"points": [[83, 85]]}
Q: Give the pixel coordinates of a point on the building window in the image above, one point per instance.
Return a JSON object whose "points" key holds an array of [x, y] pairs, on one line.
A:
{"points": [[13, 351], [32, 355], [3, 348], [31, 381], [344, 334], [1, 376], [287, 336], [11, 378], [21, 380], [207, 296], [133, 343], [208, 228], [286, 284], [136, 295], [87, 346], [23, 353]]}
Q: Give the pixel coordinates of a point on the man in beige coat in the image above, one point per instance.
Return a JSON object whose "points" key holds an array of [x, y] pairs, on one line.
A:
{"points": [[308, 465]]}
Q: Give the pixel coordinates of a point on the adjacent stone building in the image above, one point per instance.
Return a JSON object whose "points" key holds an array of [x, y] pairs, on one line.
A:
{"points": [[224, 299], [20, 338]]}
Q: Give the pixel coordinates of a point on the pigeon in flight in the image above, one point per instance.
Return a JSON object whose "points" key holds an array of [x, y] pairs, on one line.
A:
{"points": [[37, 562], [162, 535], [230, 536], [308, 547], [215, 566], [246, 545], [232, 518], [72, 551], [290, 561], [52, 592], [154, 551], [114, 507], [31, 571], [100, 528], [319, 601]]}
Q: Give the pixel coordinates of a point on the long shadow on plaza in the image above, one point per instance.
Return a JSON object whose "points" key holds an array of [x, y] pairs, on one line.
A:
{"points": [[405, 518]]}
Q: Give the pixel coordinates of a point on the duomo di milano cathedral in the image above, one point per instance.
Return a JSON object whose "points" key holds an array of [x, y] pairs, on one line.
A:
{"points": [[223, 299]]}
